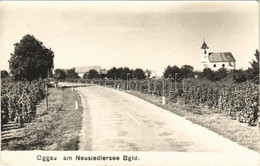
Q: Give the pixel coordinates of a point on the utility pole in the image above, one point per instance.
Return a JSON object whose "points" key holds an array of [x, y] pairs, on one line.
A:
{"points": [[46, 86], [175, 80], [127, 81], [170, 78], [183, 87]]}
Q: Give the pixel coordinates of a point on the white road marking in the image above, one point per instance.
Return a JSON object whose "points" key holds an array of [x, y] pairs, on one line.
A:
{"points": [[133, 118]]}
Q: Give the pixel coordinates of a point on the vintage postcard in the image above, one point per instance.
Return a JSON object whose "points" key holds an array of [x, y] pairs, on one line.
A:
{"points": [[129, 83]]}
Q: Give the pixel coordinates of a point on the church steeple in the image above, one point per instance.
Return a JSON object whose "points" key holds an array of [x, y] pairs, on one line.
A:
{"points": [[204, 52], [204, 45]]}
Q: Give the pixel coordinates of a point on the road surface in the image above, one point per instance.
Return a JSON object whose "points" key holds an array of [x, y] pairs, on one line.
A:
{"points": [[117, 121]]}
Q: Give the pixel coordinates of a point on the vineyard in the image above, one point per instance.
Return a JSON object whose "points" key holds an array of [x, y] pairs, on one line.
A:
{"points": [[238, 101], [19, 99]]}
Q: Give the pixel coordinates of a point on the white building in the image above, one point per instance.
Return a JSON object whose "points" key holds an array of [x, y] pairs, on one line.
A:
{"points": [[81, 70], [216, 60]]}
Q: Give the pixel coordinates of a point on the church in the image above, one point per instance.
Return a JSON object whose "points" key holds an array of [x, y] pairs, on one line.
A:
{"points": [[216, 60]]}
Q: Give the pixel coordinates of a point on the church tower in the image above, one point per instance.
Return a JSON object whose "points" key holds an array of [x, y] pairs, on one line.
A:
{"points": [[204, 52]]}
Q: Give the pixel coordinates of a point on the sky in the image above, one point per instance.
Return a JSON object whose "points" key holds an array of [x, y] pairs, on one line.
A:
{"points": [[148, 35]]}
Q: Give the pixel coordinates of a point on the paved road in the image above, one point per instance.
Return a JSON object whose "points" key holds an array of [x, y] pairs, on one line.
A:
{"points": [[117, 121]]}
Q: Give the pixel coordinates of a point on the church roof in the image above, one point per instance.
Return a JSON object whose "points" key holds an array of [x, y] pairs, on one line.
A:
{"points": [[221, 57], [204, 46]]}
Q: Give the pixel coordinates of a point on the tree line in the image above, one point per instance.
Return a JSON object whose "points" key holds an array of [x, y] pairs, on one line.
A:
{"points": [[32, 60], [115, 73], [65, 74], [126, 73]]}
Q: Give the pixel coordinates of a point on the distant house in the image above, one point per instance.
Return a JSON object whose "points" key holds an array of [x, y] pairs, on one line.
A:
{"points": [[216, 60], [103, 72], [81, 70]]}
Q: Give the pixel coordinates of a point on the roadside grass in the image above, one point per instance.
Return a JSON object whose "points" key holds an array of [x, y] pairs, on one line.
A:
{"points": [[214, 120], [55, 129]]}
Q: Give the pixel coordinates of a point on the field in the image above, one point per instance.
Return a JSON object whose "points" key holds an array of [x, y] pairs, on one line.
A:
{"points": [[219, 106], [55, 129], [19, 99], [239, 101], [231, 110]]}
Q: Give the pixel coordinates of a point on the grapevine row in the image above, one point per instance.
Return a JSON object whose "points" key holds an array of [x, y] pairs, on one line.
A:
{"points": [[239, 101], [19, 99]]}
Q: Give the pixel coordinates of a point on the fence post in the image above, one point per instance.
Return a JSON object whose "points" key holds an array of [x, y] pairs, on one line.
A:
{"points": [[163, 100], [76, 105]]}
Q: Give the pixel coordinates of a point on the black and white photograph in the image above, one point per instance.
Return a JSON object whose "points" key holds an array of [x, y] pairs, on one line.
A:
{"points": [[130, 83]]}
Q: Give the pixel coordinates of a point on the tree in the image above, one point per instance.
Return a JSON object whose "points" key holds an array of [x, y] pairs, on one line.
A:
{"points": [[70, 73], [255, 67], [113, 73], [138, 74], [85, 75], [197, 74], [59, 74], [31, 59], [4, 74], [255, 63], [103, 73], [124, 72], [119, 73], [187, 71], [208, 73], [170, 72], [238, 75], [220, 74], [93, 74], [250, 74]]}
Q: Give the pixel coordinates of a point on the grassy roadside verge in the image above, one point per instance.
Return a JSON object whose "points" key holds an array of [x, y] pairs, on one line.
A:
{"points": [[57, 129], [214, 120]]}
